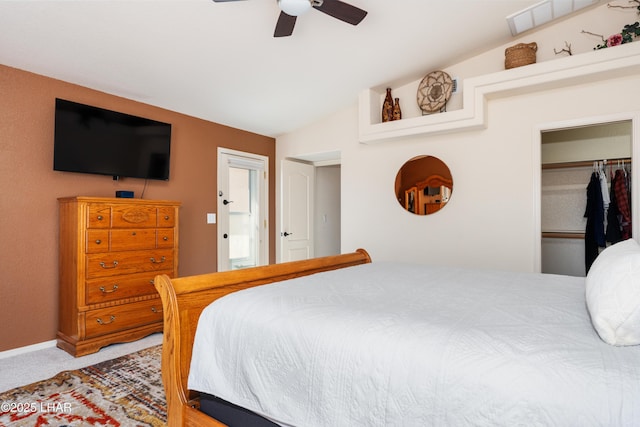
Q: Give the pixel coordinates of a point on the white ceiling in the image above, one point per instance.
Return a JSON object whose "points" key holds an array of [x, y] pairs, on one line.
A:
{"points": [[220, 61]]}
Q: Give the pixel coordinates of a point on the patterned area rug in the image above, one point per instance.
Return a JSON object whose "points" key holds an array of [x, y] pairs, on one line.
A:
{"points": [[126, 391]]}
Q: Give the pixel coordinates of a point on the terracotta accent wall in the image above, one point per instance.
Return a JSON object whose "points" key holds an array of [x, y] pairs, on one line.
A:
{"points": [[30, 188]]}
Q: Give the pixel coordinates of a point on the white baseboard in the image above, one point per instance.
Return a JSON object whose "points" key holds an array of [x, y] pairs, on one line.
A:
{"points": [[27, 349]]}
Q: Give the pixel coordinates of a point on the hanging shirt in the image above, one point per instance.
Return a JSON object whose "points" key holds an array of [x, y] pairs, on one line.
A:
{"points": [[606, 200], [594, 232], [622, 199], [614, 230]]}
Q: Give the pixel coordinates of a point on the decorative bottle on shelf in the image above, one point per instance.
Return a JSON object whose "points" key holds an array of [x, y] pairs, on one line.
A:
{"points": [[387, 107], [397, 112]]}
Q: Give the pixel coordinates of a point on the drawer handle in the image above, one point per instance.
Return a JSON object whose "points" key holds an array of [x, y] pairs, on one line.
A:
{"points": [[152, 282], [133, 233], [165, 238], [99, 217], [166, 217], [111, 320], [98, 241], [155, 310], [153, 260], [104, 291], [103, 265]]}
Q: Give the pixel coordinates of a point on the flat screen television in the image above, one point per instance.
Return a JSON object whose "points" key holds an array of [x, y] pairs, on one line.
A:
{"points": [[98, 141]]}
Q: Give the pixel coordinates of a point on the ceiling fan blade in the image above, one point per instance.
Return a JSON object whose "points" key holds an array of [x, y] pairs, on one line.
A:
{"points": [[342, 11], [284, 26]]}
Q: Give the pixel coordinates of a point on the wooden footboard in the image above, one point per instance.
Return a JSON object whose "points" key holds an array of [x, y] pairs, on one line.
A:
{"points": [[183, 299]]}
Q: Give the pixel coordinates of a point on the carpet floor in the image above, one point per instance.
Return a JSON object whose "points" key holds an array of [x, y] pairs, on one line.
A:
{"points": [[126, 391]]}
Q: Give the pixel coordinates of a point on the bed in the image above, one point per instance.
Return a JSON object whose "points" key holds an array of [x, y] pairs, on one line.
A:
{"points": [[342, 341]]}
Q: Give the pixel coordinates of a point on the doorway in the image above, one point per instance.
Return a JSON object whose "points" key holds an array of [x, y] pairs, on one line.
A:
{"points": [[570, 157], [242, 210], [310, 218]]}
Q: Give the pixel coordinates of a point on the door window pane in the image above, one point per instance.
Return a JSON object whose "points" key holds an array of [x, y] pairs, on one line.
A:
{"points": [[243, 218]]}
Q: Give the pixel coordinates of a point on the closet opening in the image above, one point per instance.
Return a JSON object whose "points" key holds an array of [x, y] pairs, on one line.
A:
{"points": [[581, 211]]}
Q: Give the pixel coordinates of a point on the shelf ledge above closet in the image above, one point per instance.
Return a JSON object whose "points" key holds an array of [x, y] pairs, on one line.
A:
{"points": [[573, 70]]}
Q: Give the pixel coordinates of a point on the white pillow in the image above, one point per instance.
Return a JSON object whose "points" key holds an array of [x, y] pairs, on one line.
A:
{"points": [[613, 293]]}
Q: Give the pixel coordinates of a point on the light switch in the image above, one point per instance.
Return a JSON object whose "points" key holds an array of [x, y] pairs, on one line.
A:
{"points": [[211, 218]]}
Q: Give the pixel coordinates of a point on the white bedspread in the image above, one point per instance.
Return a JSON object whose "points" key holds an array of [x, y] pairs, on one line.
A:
{"points": [[407, 345]]}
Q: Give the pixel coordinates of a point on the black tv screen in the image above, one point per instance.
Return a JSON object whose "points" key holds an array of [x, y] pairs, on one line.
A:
{"points": [[98, 141]]}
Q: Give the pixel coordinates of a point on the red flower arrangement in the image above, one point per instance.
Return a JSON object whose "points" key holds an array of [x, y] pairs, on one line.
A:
{"points": [[614, 40], [628, 33]]}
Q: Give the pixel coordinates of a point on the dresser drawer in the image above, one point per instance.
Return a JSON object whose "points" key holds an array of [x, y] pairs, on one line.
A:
{"points": [[165, 238], [103, 321], [128, 262], [97, 241], [98, 291], [129, 216], [99, 216], [166, 216], [128, 239], [133, 239]]}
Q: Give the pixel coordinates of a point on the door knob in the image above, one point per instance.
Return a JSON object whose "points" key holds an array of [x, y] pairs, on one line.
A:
{"points": [[226, 202], [287, 234]]}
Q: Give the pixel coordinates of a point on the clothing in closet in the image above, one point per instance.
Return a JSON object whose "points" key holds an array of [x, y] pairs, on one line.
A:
{"points": [[606, 199], [615, 203], [614, 230], [619, 184], [594, 236]]}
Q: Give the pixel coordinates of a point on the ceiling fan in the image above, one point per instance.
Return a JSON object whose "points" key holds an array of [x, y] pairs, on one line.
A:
{"points": [[291, 9]]}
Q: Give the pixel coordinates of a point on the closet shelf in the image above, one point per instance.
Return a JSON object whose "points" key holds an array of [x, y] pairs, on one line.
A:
{"points": [[573, 70], [566, 187]]}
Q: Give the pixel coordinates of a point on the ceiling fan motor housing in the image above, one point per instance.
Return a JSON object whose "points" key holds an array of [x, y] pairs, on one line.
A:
{"points": [[295, 7]]}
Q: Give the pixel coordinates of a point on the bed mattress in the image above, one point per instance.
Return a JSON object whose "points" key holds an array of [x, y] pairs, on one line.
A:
{"points": [[393, 344]]}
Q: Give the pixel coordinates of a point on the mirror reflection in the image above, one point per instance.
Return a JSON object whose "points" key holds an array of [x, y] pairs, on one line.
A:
{"points": [[423, 185]]}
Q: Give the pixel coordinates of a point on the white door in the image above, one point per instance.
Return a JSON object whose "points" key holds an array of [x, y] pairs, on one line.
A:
{"points": [[296, 229], [242, 210]]}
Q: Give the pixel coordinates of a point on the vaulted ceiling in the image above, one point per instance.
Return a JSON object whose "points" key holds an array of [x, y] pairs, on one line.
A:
{"points": [[219, 60]]}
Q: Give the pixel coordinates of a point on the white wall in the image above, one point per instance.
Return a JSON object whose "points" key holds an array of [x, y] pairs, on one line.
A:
{"points": [[491, 220]]}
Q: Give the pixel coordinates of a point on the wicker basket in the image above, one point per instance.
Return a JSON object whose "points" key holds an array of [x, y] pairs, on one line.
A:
{"points": [[520, 54]]}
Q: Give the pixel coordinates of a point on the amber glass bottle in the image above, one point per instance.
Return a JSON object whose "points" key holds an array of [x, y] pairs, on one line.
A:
{"points": [[387, 107], [397, 112]]}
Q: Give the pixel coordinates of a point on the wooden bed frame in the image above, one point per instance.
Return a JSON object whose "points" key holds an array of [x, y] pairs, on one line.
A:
{"points": [[183, 299]]}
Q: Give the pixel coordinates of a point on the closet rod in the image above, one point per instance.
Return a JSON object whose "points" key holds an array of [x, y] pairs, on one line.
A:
{"points": [[563, 235], [577, 164]]}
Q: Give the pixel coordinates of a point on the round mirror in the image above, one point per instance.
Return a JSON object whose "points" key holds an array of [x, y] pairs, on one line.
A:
{"points": [[423, 185]]}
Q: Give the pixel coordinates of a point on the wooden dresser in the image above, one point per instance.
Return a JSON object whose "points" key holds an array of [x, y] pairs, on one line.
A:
{"points": [[110, 251]]}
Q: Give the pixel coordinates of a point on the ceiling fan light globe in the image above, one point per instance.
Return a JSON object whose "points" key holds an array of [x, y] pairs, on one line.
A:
{"points": [[294, 7]]}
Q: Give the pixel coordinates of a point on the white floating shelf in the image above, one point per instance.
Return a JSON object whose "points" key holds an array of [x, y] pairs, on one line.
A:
{"points": [[568, 71]]}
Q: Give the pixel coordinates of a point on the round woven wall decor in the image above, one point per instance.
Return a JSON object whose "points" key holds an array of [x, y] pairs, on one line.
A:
{"points": [[434, 91]]}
